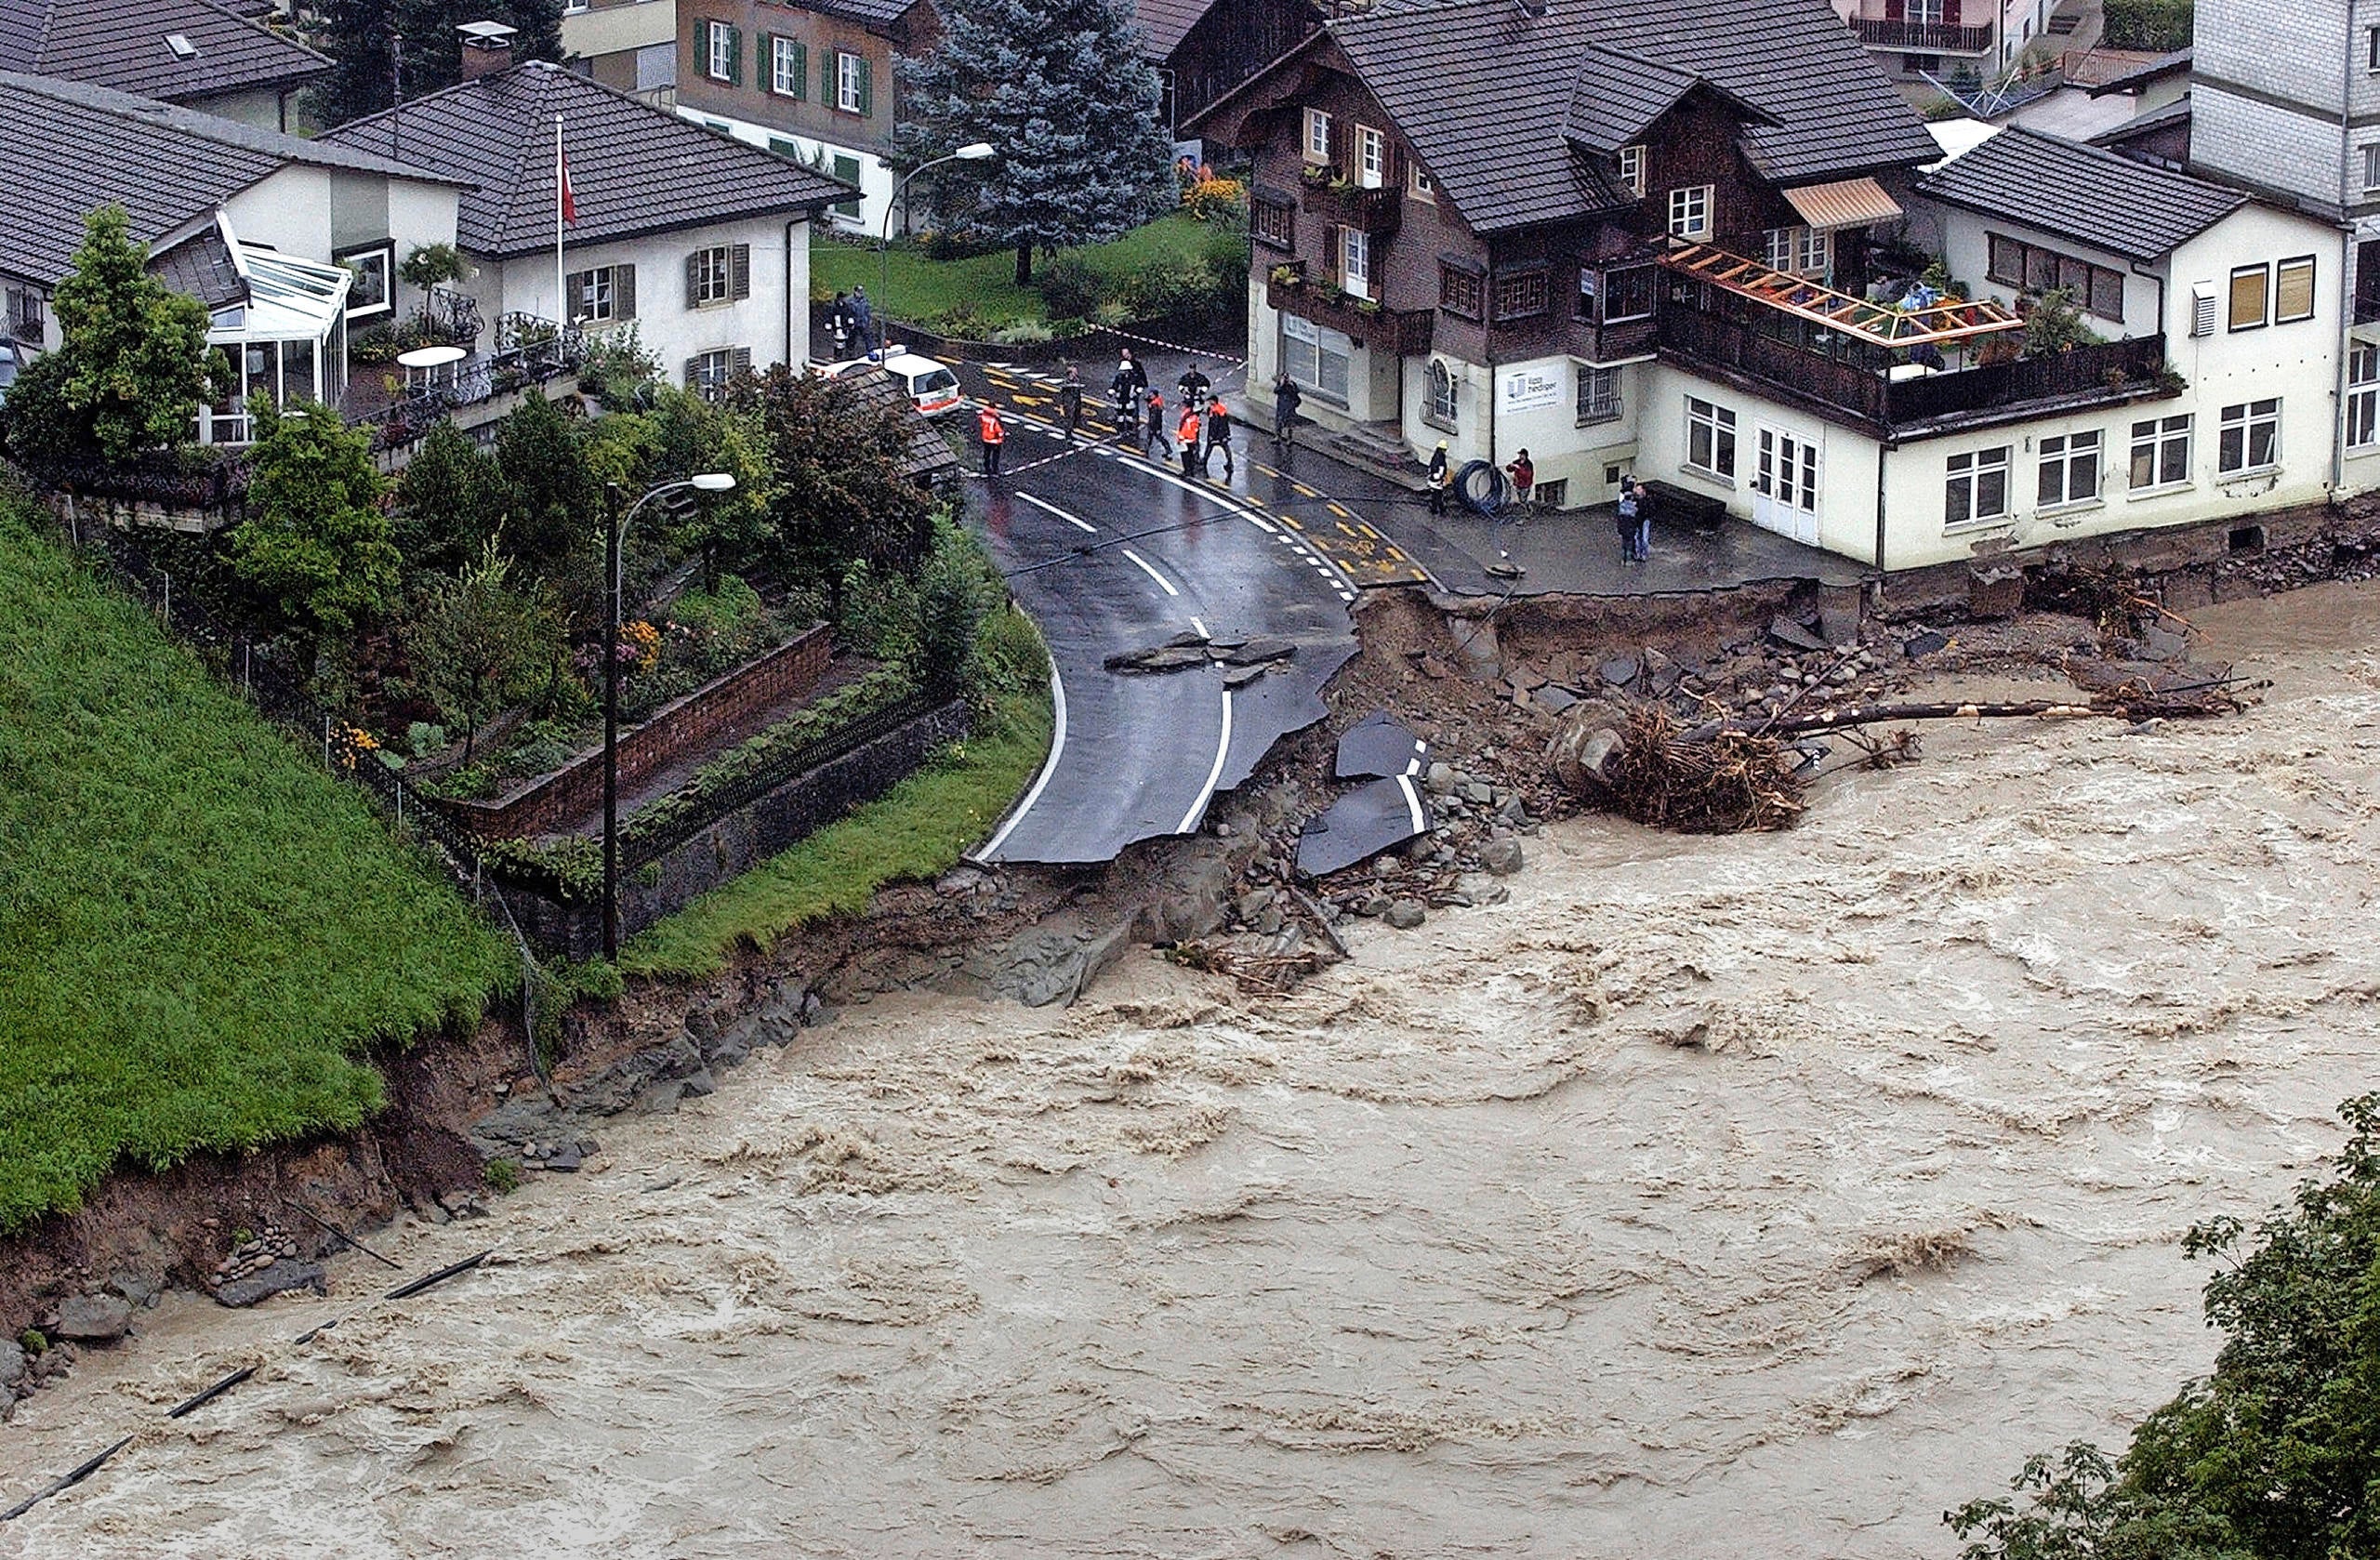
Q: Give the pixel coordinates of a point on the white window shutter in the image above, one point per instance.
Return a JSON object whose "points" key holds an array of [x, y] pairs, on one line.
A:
{"points": [[2203, 309]]}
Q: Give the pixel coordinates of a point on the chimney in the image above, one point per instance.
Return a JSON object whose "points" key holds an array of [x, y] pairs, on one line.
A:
{"points": [[487, 47]]}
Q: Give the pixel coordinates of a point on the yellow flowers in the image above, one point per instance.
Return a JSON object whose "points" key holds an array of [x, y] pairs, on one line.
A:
{"points": [[646, 641], [350, 743]]}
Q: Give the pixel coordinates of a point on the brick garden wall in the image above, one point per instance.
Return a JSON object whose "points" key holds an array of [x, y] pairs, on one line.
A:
{"points": [[691, 723]]}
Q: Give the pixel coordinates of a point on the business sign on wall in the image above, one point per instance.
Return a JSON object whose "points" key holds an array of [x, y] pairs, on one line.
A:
{"points": [[1524, 390]]}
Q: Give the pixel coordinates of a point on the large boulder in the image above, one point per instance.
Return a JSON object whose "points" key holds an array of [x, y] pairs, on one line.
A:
{"points": [[93, 1319]]}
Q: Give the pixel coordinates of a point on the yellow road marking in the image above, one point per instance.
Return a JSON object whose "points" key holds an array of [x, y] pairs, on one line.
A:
{"points": [[1341, 512], [1370, 531], [1290, 521], [1305, 490]]}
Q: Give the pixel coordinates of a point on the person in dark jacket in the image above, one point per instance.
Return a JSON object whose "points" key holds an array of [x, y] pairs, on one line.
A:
{"points": [[1643, 537], [864, 319], [1440, 477], [1194, 458], [1286, 398], [1523, 471], [1625, 519], [1127, 385], [1156, 436], [1219, 435], [1194, 386], [1070, 401]]}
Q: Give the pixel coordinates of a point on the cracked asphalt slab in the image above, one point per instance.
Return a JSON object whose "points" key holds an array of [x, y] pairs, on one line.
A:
{"points": [[1112, 554]]}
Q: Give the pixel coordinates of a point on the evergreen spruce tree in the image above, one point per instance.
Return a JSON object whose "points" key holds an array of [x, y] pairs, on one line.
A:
{"points": [[1062, 89], [356, 34]]}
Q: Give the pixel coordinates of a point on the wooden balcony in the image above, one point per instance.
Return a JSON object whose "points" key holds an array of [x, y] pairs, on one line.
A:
{"points": [[1378, 211], [1402, 331], [1922, 37], [1902, 400]]}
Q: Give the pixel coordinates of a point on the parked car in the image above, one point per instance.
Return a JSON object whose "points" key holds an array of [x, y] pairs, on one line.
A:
{"points": [[931, 385]]}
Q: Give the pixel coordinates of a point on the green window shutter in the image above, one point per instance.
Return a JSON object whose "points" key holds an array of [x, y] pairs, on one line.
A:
{"points": [[827, 76], [695, 279], [739, 271], [694, 378], [801, 71], [764, 61], [735, 56], [739, 361], [624, 292], [866, 88]]}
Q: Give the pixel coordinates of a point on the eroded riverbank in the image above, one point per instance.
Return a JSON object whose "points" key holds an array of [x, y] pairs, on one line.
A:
{"points": [[1764, 1193]]}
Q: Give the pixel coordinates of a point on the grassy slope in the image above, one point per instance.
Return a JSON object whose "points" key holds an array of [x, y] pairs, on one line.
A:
{"points": [[916, 831], [922, 287], [198, 929]]}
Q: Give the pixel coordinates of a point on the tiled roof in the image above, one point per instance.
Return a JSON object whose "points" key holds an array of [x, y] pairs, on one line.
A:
{"points": [[1617, 97], [2177, 113], [931, 455], [73, 147], [1169, 21], [867, 13], [202, 266], [1483, 91], [122, 44], [634, 170], [2081, 192]]}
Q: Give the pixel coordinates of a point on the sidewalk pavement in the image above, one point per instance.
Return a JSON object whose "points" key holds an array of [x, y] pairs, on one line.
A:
{"points": [[1572, 551]]}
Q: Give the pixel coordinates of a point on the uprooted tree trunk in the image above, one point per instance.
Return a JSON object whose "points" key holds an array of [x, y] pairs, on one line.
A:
{"points": [[1725, 776]]}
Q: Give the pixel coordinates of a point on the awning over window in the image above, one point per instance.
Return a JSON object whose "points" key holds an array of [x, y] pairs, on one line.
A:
{"points": [[1847, 202]]}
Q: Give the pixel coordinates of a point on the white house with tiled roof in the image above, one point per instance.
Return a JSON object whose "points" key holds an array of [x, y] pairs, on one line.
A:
{"points": [[699, 243]]}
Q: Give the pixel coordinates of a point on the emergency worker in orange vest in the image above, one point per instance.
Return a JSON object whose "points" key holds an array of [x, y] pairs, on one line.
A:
{"points": [[1193, 459], [994, 433]]}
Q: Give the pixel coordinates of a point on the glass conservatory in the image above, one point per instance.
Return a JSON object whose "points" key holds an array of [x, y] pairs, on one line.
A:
{"points": [[286, 338]]}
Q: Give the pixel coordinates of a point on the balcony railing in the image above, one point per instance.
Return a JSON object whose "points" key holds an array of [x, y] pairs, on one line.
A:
{"points": [[2109, 370], [1922, 37], [1402, 331], [1376, 210]]}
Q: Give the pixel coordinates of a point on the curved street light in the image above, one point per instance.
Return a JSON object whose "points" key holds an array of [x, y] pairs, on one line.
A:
{"points": [[616, 532], [974, 151]]}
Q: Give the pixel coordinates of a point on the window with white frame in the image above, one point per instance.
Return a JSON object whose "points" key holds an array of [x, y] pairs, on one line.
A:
{"points": [[1690, 211], [2372, 167], [2249, 438], [709, 374], [1801, 250], [1317, 136], [788, 68], [1975, 486], [2363, 396], [721, 273], [1598, 395], [851, 81], [1355, 260], [1923, 13], [2371, 49], [2160, 452], [1628, 293], [1419, 182], [2069, 470], [1371, 157], [601, 295], [1632, 169], [1785, 470], [718, 51], [1710, 439], [1438, 396]]}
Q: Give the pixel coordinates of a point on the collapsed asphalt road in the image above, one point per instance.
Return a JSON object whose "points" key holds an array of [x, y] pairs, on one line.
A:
{"points": [[1112, 555]]}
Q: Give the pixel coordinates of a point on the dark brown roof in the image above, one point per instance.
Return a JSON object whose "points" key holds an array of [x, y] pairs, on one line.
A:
{"points": [[1169, 21], [202, 266], [73, 147], [867, 13], [1485, 92], [634, 170], [2083, 192], [931, 456], [123, 43]]}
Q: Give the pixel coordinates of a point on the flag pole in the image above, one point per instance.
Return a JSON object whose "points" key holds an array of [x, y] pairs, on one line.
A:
{"points": [[562, 303]]}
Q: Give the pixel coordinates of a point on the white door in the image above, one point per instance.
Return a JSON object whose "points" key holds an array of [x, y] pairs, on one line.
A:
{"points": [[1785, 487]]}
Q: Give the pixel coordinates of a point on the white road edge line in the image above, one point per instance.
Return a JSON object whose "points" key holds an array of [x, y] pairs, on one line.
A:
{"points": [[1163, 583], [1048, 767], [1045, 504], [1207, 792], [1412, 802], [1200, 625]]}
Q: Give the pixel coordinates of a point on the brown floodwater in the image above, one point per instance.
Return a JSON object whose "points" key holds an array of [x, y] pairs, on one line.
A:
{"points": [[1713, 1197]]}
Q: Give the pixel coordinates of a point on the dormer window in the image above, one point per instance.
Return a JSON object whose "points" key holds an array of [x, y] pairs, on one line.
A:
{"points": [[1632, 169], [1317, 136]]}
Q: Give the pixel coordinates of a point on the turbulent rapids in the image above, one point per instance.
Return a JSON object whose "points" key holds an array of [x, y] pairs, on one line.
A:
{"points": [[1764, 1193]]}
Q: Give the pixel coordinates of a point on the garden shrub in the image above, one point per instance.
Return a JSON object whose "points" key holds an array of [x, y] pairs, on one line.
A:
{"points": [[2160, 26], [1071, 286]]}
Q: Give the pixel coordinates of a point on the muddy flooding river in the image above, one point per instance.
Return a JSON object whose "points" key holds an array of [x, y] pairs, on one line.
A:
{"points": [[1713, 1196]]}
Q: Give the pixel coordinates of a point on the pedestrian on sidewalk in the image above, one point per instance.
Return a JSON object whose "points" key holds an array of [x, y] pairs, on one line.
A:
{"points": [[1626, 520], [1643, 522], [863, 318], [1440, 477], [1156, 439], [1219, 435], [994, 433], [1194, 458], [1285, 400], [1523, 472], [1070, 401]]}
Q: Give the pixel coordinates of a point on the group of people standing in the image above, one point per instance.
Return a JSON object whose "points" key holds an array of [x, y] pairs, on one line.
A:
{"points": [[1202, 425], [851, 323]]}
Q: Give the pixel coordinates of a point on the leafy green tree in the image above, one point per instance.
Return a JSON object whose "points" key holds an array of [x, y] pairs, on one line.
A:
{"points": [[2276, 1456], [954, 595], [357, 33], [316, 540], [136, 360], [842, 493], [691, 435], [479, 641], [553, 504], [450, 503], [1064, 91]]}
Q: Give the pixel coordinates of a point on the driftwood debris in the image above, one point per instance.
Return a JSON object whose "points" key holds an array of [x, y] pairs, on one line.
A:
{"points": [[1725, 777]]}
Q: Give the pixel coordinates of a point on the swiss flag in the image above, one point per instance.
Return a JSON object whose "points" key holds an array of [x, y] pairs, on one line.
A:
{"points": [[569, 196]]}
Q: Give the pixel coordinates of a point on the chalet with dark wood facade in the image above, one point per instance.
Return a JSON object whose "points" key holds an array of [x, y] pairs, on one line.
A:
{"points": [[1203, 48]]}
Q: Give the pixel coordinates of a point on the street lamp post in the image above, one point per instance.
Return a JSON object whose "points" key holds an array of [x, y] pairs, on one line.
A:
{"points": [[974, 151], [615, 530]]}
